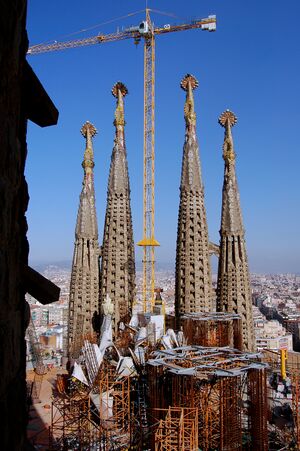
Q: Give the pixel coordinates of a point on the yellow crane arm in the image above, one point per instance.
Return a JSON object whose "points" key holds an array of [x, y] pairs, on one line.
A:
{"points": [[99, 39], [208, 24], [137, 33]]}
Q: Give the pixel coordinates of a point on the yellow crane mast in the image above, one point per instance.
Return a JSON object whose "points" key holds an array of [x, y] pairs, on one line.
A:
{"points": [[147, 31]]}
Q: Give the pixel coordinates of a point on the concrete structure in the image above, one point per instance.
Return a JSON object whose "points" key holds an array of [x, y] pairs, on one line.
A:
{"points": [[233, 289], [270, 334], [84, 286], [193, 290], [57, 315], [39, 315], [52, 339], [117, 278]]}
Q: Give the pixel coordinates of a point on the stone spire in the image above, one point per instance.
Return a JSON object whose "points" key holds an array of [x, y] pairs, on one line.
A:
{"points": [[117, 277], [84, 288], [233, 289], [193, 274]]}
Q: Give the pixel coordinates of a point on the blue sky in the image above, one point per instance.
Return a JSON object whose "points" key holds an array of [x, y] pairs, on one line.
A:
{"points": [[249, 65]]}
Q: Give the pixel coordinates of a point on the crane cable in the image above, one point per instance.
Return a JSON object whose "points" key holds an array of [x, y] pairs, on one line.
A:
{"points": [[90, 28], [83, 30]]}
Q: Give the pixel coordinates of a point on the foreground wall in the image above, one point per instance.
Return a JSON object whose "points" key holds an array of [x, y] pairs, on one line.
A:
{"points": [[13, 243], [21, 97]]}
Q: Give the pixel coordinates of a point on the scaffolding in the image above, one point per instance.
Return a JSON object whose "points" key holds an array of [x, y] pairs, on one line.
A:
{"points": [[114, 395], [258, 409], [177, 430], [89, 418], [221, 383], [296, 406], [37, 362], [213, 329], [72, 425]]}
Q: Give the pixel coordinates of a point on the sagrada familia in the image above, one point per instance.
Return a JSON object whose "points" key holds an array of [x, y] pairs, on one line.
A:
{"points": [[109, 269]]}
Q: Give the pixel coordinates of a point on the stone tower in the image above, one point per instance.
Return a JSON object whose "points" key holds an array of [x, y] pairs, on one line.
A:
{"points": [[84, 288], [117, 277], [233, 289], [193, 273]]}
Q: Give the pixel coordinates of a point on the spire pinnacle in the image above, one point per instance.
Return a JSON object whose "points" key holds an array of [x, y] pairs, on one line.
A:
{"points": [[233, 289], [88, 131], [227, 120], [188, 84], [119, 91], [84, 287], [193, 291], [117, 276]]}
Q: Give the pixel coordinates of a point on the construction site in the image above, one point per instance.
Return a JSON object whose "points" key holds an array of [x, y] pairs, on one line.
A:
{"points": [[138, 392], [135, 377]]}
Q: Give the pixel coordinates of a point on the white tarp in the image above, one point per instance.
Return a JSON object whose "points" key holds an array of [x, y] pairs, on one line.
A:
{"points": [[126, 367], [95, 397], [159, 321], [97, 354], [106, 334], [79, 374], [140, 354], [180, 338], [172, 335], [134, 321], [166, 341], [105, 402], [106, 405], [142, 334]]}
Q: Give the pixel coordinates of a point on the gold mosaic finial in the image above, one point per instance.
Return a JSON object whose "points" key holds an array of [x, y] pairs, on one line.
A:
{"points": [[227, 120], [188, 84], [227, 117], [119, 86], [88, 130], [119, 91], [88, 127]]}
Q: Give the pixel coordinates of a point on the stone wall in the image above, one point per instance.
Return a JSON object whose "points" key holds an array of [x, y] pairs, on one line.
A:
{"points": [[13, 226], [21, 97]]}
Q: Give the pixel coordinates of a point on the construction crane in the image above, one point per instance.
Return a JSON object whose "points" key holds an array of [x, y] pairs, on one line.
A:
{"points": [[146, 31]]}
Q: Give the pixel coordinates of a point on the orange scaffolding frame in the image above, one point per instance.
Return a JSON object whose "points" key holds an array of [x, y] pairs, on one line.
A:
{"points": [[71, 423], [221, 383], [178, 430], [296, 406], [115, 409]]}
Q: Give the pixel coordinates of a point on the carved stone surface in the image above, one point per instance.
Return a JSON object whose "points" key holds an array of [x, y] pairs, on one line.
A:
{"points": [[117, 276], [233, 289], [193, 291], [84, 287], [22, 97]]}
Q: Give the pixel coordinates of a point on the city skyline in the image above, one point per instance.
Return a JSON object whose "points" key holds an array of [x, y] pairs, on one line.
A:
{"points": [[240, 56]]}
